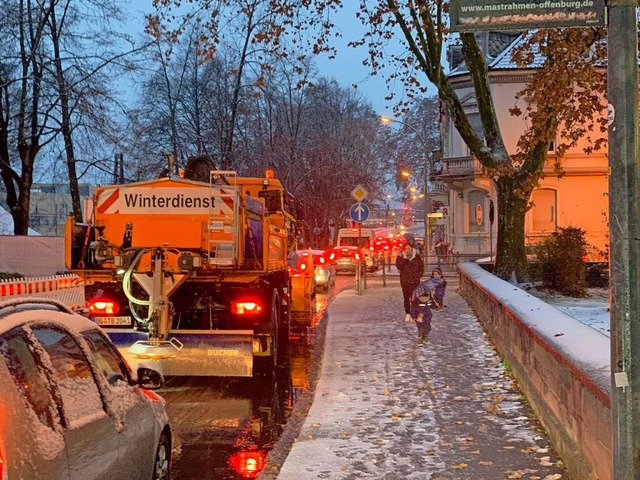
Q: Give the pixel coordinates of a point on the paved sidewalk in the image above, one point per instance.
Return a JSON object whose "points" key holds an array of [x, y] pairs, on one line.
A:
{"points": [[388, 408]]}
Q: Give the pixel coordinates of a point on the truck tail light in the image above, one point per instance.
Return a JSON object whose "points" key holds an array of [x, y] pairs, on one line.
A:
{"points": [[245, 308], [103, 306]]}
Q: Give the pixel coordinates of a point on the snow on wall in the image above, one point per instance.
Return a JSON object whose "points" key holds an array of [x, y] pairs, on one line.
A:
{"points": [[561, 365]]}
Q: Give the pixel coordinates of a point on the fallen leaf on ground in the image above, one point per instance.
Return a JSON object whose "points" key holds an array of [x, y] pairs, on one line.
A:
{"points": [[546, 462], [461, 466], [485, 463]]}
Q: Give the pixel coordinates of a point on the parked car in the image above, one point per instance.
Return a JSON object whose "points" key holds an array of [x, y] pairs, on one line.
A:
{"points": [[70, 406], [324, 270], [346, 258]]}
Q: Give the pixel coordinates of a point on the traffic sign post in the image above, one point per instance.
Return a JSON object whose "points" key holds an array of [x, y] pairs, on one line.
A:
{"points": [[359, 212], [359, 193]]}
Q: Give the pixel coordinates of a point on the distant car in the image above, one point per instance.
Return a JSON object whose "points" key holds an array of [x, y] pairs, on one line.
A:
{"points": [[324, 270], [300, 264], [70, 406], [346, 258]]}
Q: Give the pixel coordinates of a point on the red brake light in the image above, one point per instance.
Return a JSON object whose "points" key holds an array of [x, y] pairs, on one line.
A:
{"points": [[248, 464], [357, 256], [103, 306], [332, 256], [245, 308], [322, 260], [303, 266]]}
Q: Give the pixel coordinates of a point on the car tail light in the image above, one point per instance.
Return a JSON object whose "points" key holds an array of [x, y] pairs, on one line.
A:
{"points": [[249, 464], [104, 306], [321, 260], [356, 256], [246, 308], [303, 266], [332, 256], [371, 248]]}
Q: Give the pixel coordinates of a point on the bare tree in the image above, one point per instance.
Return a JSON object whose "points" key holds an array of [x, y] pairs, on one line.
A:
{"points": [[23, 122]]}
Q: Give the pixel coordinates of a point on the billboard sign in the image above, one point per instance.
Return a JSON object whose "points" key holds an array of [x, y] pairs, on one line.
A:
{"points": [[472, 15]]}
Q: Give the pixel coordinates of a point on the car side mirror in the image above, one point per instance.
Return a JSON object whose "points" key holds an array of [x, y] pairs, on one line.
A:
{"points": [[149, 378]]}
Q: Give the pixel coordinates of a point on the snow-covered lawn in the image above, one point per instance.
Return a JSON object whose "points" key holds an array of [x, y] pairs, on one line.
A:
{"points": [[592, 310]]}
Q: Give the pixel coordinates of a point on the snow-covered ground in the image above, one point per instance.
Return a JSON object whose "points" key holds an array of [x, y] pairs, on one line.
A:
{"points": [[592, 310]]}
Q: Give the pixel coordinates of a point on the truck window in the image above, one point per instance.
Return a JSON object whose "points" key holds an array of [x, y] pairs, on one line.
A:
{"points": [[272, 200]]}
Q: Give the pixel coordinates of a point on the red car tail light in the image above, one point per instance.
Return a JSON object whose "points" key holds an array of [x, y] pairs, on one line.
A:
{"points": [[246, 308], [321, 260], [356, 256], [332, 256], [104, 306]]}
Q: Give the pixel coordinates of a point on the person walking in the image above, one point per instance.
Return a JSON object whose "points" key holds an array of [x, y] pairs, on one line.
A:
{"points": [[428, 295], [410, 265]]}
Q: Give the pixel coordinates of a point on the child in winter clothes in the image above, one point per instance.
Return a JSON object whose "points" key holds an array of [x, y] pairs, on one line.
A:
{"points": [[440, 287], [427, 295]]}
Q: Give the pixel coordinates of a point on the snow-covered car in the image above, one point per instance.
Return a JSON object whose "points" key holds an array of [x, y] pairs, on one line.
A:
{"points": [[70, 406]]}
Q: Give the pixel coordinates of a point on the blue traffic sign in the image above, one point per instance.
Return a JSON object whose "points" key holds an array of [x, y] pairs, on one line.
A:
{"points": [[359, 212]]}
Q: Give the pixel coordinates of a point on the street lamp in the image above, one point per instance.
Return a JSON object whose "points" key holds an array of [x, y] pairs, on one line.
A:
{"points": [[427, 185]]}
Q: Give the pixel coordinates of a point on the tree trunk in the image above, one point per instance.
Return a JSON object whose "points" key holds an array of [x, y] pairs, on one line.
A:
{"points": [[65, 126], [511, 259]]}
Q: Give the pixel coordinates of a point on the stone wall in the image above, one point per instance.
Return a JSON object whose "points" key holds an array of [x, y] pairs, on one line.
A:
{"points": [[561, 365]]}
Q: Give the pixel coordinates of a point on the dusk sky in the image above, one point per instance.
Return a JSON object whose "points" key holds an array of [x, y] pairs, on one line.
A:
{"points": [[347, 68]]}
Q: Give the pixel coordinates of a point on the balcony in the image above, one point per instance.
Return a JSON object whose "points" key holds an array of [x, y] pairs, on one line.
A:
{"points": [[460, 167]]}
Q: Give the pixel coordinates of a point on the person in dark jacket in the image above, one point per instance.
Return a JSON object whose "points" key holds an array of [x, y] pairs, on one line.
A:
{"points": [[410, 265]]}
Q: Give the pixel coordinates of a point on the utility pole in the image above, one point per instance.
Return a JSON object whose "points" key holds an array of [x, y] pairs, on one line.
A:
{"points": [[624, 229], [426, 161], [427, 211]]}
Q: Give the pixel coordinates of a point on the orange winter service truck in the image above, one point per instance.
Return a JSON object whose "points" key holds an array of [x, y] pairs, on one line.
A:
{"points": [[190, 276]]}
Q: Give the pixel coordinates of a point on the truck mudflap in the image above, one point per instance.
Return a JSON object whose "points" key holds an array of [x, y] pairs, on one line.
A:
{"points": [[203, 352]]}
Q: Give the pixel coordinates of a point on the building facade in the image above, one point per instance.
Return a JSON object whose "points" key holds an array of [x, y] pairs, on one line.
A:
{"points": [[577, 199]]}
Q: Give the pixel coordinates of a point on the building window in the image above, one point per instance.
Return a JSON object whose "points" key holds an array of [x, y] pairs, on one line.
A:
{"points": [[545, 210]]}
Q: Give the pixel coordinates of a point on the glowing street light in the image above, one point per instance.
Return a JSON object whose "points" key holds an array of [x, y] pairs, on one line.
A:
{"points": [[427, 187]]}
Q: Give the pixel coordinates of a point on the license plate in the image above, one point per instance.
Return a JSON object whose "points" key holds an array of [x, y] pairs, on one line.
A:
{"points": [[113, 321]]}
